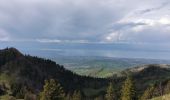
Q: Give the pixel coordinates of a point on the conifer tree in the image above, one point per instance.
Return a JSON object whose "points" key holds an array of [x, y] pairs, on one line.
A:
{"points": [[110, 93], [52, 91], [148, 94], [68, 97], [128, 90], [77, 95], [99, 98], [167, 88]]}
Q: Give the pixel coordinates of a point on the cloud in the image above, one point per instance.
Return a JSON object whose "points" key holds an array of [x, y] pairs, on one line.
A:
{"points": [[165, 20], [149, 10], [85, 21], [4, 36], [113, 37], [144, 26], [48, 41], [61, 41], [63, 19]]}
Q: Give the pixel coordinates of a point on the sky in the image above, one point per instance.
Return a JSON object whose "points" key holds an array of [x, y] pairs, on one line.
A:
{"points": [[131, 24]]}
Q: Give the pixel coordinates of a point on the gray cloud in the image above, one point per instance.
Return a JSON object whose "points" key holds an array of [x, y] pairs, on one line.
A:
{"points": [[149, 10], [84, 20], [60, 19]]}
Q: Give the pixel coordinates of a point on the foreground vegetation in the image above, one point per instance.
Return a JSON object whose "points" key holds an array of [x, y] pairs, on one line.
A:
{"points": [[32, 78], [165, 97]]}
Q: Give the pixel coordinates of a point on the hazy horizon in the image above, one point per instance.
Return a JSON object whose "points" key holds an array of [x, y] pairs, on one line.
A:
{"points": [[52, 50], [112, 28]]}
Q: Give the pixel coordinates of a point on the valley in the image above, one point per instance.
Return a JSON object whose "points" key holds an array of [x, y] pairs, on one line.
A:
{"points": [[103, 66]]}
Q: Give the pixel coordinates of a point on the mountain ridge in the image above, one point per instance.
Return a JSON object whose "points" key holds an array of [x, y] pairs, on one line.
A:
{"points": [[32, 71], [18, 70]]}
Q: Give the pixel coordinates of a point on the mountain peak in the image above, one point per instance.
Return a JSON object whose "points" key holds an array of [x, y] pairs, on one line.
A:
{"points": [[9, 54], [12, 50]]}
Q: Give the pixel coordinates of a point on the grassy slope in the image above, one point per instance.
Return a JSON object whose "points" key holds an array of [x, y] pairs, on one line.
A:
{"points": [[165, 97], [96, 72], [7, 97]]}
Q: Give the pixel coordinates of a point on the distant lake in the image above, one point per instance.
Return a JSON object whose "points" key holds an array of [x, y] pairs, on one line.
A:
{"points": [[51, 50]]}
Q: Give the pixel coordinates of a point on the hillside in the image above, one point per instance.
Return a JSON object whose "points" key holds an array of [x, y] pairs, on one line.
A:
{"points": [[19, 72], [148, 74], [165, 97]]}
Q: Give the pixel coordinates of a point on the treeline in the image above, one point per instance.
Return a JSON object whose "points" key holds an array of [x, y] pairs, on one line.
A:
{"points": [[129, 91], [53, 91], [22, 77]]}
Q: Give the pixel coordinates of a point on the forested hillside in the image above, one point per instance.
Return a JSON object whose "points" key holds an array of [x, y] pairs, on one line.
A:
{"points": [[20, 71], [32, 78]]}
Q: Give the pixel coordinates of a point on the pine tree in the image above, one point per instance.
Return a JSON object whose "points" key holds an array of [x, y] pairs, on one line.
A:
{"points": [[99, 98], [52, 91], [128, 90], [68, 97], [148, 94], [76, 95], [110, 93], [30, 96], [167, 87]]}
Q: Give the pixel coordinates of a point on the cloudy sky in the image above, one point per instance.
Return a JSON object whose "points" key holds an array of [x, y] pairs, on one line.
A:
{"points": [[86, 21]]}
